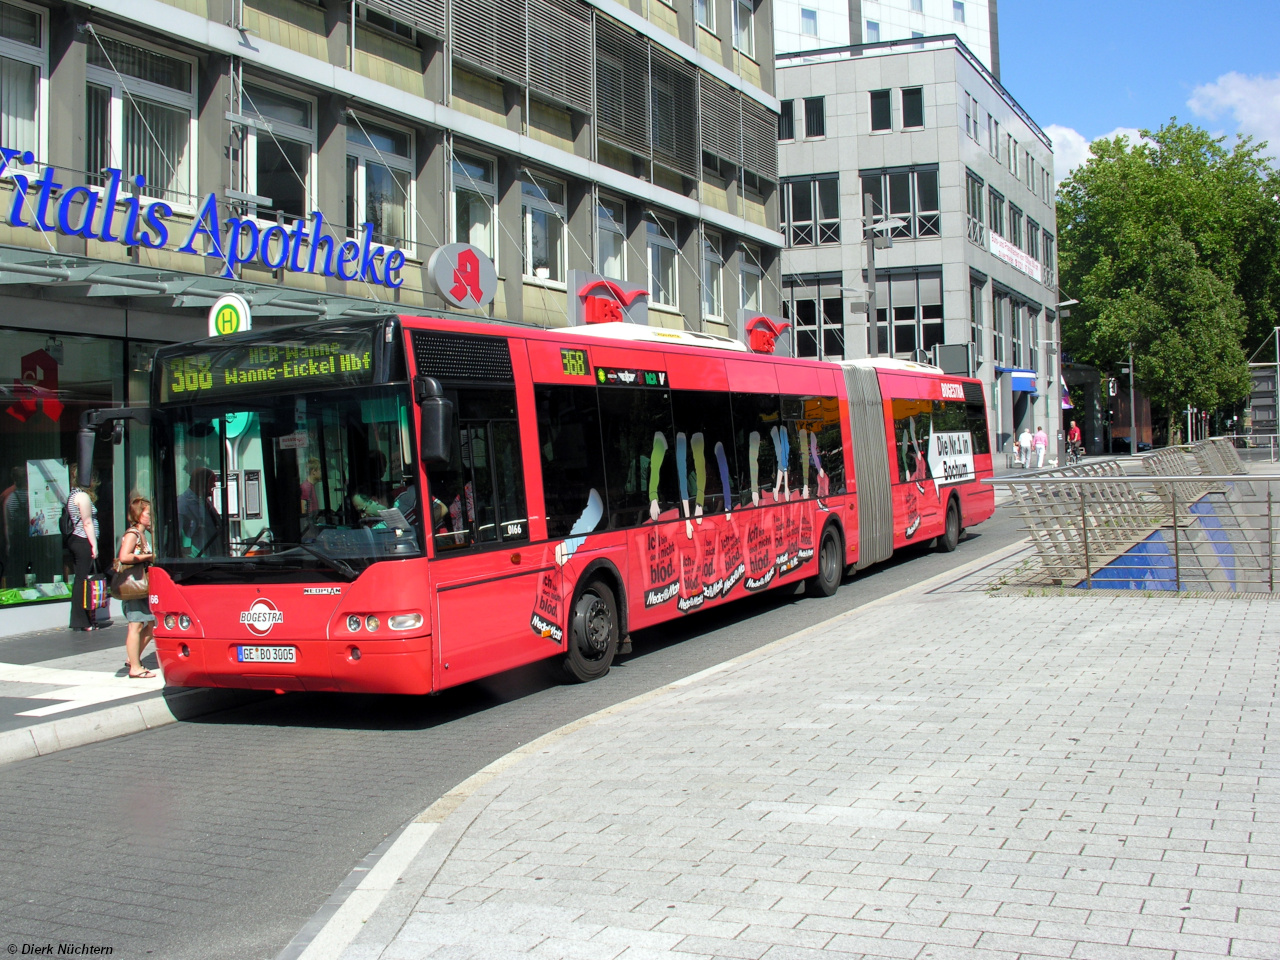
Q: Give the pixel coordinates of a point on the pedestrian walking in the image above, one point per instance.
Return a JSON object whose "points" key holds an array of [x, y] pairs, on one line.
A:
{"points": [[1024, 442], [82, 506], [1041, 444], [135, 555]]}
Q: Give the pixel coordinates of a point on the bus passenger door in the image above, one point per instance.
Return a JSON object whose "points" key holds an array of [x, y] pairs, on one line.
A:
{"points": [[484, 575]]}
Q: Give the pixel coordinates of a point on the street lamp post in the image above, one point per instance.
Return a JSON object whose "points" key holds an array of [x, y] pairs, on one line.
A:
{"points": [[872, 242], [1133, 410]]}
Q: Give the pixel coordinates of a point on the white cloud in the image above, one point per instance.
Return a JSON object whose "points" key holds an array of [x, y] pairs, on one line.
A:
{"points": [[1071, 148], [1254, 102]]}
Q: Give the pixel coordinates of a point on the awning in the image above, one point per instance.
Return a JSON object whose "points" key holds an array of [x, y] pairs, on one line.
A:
{"points": [[1020, 381]]}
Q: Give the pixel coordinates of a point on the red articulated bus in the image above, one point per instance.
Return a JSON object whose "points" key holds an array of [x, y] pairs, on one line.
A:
{"points": [[406, 504]]}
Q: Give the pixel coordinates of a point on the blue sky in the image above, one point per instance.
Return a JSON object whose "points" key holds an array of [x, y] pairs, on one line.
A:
{"points": [[1087, 68]]}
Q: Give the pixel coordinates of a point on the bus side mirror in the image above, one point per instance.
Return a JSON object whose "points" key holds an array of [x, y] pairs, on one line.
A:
{"points": [[435, 445]]}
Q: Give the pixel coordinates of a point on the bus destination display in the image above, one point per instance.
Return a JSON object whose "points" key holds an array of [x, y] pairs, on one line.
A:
{"points": [[283, 366]]}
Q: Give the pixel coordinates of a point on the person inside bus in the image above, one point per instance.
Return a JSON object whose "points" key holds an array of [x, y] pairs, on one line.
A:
{"points": [[198, 516]]}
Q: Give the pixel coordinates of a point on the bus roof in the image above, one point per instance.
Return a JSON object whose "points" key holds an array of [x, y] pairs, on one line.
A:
{"points": [[888, 363], [620, 330]]}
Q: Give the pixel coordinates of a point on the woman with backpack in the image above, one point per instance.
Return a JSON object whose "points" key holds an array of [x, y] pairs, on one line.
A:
{"points": [[82, 507], [135, 549]]}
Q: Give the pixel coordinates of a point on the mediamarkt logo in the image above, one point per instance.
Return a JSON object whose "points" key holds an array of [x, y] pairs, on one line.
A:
{"points": [[261, 616]]}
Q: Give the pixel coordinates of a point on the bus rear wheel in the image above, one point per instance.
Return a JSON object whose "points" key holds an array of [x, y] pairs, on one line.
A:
{"points": [[593, 634], [830, 565], [950, 538]]}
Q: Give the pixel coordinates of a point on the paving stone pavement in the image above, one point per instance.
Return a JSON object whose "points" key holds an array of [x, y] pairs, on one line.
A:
{"points": [[936, 775]]}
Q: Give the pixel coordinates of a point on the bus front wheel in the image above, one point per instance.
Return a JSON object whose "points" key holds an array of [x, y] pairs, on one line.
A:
{"points": [[593, 634]]}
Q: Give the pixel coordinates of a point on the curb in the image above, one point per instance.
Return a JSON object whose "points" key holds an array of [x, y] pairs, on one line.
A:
{"points": [[43, 739], [383, 908]]}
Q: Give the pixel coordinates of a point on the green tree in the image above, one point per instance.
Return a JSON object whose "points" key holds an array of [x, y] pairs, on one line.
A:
{"points": [[1172, 244]]}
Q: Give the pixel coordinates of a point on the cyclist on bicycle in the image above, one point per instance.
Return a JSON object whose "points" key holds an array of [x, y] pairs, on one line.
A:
{"points": [[1074, 442]]}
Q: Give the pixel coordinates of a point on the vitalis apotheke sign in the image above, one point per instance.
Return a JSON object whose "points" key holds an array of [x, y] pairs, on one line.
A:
{"points": [[47, 206]]}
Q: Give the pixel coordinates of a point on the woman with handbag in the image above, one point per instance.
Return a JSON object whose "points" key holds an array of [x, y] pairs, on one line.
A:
{"points": [[82, 506], [129, 583]]}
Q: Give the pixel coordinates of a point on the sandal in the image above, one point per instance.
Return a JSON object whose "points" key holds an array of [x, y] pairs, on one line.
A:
{"points": [[144, 675]]}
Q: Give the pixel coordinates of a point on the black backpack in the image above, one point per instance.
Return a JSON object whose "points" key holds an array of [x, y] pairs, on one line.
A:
{"points": [[66, 526]]}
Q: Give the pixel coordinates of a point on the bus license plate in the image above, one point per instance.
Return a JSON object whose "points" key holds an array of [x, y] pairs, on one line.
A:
{"points": [[267, 655]]}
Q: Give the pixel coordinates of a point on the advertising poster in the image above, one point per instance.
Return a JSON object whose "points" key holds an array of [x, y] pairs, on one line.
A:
{"points": [[48, 486]]}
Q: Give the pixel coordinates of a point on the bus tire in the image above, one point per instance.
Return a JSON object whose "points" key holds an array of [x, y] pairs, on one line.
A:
{"points": [[826, 581], [593, 634], [950, 537]]}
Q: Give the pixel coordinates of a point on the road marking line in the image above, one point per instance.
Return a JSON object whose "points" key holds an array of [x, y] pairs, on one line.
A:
{"points": [[350, 918]]}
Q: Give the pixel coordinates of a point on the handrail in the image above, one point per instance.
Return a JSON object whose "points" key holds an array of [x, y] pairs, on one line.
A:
{"points": [[1198, 478]]}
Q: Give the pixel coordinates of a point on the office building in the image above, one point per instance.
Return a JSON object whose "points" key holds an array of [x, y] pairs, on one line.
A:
{"points": [[922, 138], [812, 24]]}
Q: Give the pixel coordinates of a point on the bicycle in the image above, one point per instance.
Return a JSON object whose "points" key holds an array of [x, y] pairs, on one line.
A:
{"points": [[1074, 455]]}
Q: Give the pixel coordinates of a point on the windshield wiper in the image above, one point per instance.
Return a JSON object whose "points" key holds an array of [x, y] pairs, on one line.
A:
{"points": [[340, 565]]}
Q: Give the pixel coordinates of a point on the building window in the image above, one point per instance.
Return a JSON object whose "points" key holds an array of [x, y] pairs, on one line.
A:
{"points": [[917, 6], [815, 306], [975, 318], [744, 38], [973, 209], [704, 11], [1049, 265], [22, 70], [475, 198], [663, 251], [972, 111], [913, 107], [712, 278], [907, 195], [379, 177], [873, 31], [913, 303], [1033, 239], [612, 238], [1002, 307], [141, 116], [278, 152], [1015, 335], [995, 212], [993, 134], [787, 121], [881, 110], [751, 278], [542, 213], [811, 211], [957, 11], [1029, 166], [1011, 154], [815, 117], [1033, 337], [1015, 227], [808, 22]]}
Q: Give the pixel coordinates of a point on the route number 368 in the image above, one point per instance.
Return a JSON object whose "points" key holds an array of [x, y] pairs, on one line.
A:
{"points": [[191, 373]]}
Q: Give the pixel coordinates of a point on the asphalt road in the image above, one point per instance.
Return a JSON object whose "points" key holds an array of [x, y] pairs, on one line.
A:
{"points": [[220, 837]]}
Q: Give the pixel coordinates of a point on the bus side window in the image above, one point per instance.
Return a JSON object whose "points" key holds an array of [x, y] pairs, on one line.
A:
{"points": [[912, 422], [572, 465], [705, 419], [755, 415], [639, 454], [977, 417], [824, 441]]}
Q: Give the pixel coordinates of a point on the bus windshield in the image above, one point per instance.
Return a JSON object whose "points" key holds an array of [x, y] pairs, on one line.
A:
{"points": [[307, 481]]}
